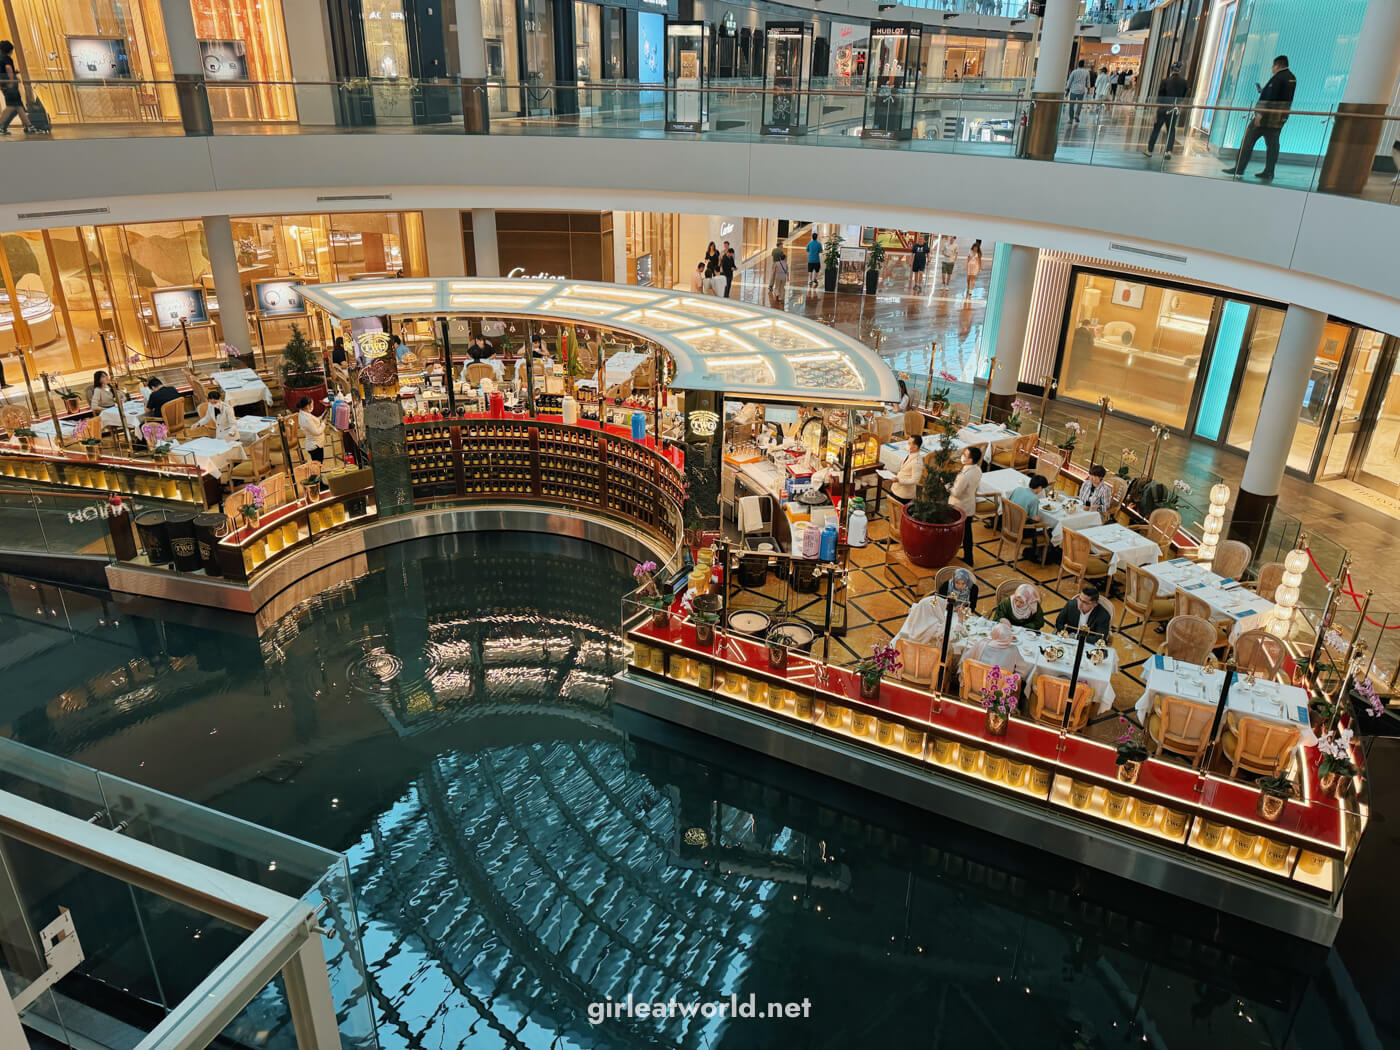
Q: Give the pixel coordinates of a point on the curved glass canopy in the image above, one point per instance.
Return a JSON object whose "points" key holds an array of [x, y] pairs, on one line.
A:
{"points": [[717, 344]]}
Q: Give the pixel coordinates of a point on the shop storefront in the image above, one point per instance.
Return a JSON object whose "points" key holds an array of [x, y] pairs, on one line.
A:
{"points": [[108, 62], [572, 244], [951, 58], [653, 239], [1197, 359], [391, 45]]}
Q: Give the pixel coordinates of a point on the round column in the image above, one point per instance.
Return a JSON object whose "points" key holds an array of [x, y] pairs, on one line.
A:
{"points": [[185, 64], [1356, 131], [1051, 72], [1011, 327], [1278, 420], [471, 54], [488, 254], [223, 261]]}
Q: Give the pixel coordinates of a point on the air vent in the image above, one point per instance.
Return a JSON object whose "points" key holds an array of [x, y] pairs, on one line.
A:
{"points": [[1147, 253], [63, 214], [356, 197]]}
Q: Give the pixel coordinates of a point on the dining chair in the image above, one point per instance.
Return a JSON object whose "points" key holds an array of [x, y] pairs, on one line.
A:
{"points": [[1119, 487], [1161, 526], [1259, 652], [1187, 604], [1180, 726], [1269, 580], [1049, 464], [943, 576], [1013, 531], [1017, 455], [1005, 590], [959, 412], [172, 413], [913, 423], [974, 678], [1232, 558], [919, 663], [1049, 695], [1078, 559], [256, 467], [1258, 746], [1190, 639], [1140, 599], [883, 428], [479, 370]]}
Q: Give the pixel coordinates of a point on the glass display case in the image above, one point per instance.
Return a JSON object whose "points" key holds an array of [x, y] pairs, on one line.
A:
{"points": [[891, 77], [786, 78], [687, 51]]}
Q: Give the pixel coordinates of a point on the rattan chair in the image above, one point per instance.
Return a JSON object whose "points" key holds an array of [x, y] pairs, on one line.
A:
{"points": [[197, 391], [172, 413], [1269, 580], [959, 412], [1180, 726], [1078, 560], [1161, 526], [883, 428], [257, 466], [1049, 464], [1190, 639], [1049, 696], [974, 677], [1119, 487], [1013, 530], [1187, 604], [1140, 599], [1232, 558], [1257, 746], [1259, 652], [919, 663], [1017, 455], [1005, 590], [913, 422], [479, 370]]}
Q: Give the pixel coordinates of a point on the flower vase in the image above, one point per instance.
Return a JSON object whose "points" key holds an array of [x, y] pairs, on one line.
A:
{"points": [[252, 520], [1269, 807], [26, 443], [93, 453], [777, 656], [660, 617], [869, 687], [996, 723], [1128, 771], [1327, 783], [704, 634]]}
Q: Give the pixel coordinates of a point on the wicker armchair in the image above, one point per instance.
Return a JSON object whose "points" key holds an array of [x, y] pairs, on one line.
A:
{"points": [[1013, 531], [1269, 581], [974, 677], [1140, 599], [1259, 652], [1079, 561], [1049, 695], [1161, 526], [1232, 558], [919, 663], [1187, 604], [1180, 726], [959, 411], [1257, 746], [1017, 455], [1191, 639]]}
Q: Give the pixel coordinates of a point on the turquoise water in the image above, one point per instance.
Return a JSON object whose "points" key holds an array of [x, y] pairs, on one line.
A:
{"points": [[519, 860]]}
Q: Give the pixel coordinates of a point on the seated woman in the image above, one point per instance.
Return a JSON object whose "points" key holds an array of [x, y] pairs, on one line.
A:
{"points": [[962, 588], [1021, 608], [999, 649], [926, 618]]}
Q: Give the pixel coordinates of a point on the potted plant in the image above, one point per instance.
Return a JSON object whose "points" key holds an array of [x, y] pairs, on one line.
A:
{"points": [[1072, 432], [831, 261], [312, 485], [874, 260], [1019, 408], [1179, 489], [1366, 706], [931, 528], [940, 397], [1336, 770], [1321, 711], [883, 660], [301, 371], [650, 595], [26, 437], [92, 448], [1128, 459], [1000, 690], [71, 401], [155, 435], [1132, 752], [1274, 792], [705, 620], [252, 508]]}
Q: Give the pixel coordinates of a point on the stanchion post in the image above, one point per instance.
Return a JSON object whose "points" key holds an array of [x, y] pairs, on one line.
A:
{"points": [[1073, 685]]}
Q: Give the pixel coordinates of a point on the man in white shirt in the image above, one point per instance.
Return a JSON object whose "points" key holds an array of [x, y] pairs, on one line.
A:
{"points": [[949, 259], [221, 416], [911, 471], [1076, 88], [964, 494]]}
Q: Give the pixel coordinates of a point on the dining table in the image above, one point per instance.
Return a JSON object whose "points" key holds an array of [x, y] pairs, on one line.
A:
{"points": [[1228, 599], [211, 455], [242, 386], [135, 410], [985, 436], [1253, 696], [1059, 511], [1036, 652], [250, 428], [1001, 482], [1122, 545]]}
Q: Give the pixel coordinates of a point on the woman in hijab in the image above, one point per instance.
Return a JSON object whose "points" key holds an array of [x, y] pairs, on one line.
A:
{"points": [[962, 588], [998, 649], [926, 618], [1021, 608]]}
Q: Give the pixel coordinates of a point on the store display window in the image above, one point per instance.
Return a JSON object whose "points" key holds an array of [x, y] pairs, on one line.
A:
{"points": [[243, 53]]}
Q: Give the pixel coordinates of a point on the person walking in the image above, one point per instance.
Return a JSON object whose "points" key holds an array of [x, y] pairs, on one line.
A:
{"points": [[1275, 98], [974, 264], [777, 287], [949, 259], [9, 87], [1076, 87], [814, 260], [1102, 88], [1169, 95], [727, 265], [711, 268], [919, 259]]}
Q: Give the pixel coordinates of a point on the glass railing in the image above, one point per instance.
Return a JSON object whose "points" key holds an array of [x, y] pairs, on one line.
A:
{"points": [[982, 116]]}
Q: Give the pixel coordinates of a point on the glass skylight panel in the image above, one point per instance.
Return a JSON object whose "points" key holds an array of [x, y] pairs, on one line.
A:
{"points": [[742, 370], [782, 335], [825, 370], [657, 320], [716, 341], [711, 310]]}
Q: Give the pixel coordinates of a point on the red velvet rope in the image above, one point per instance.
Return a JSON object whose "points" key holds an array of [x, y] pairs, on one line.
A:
{"points": [[1350, 592]]}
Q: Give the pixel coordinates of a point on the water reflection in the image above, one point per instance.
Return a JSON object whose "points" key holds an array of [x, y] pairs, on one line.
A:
{"points": [[444, 720]]}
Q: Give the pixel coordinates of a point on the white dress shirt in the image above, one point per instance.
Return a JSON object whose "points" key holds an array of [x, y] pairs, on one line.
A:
{"points": [[225, 423]]}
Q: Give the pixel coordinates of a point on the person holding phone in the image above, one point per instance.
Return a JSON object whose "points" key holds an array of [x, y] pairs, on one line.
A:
{"points": [[1275, 98]]}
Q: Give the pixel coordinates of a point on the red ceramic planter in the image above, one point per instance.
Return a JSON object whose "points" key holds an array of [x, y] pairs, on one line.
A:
{"points": [[931, 546]]}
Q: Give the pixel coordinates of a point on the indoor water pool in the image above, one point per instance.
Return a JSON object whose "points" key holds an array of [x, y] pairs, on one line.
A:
{"points": [[522, 865]]}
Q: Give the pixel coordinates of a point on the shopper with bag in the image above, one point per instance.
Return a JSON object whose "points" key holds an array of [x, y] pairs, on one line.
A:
{"points": [[9, 87], [777, 287], [1275, 98]]}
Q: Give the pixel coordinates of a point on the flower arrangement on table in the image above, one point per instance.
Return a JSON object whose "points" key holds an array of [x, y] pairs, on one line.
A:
{"points": [[1127, 460], [1072, 431], [255, 498], [883, 660], [1336, 765], [155, 435], [1019, 407], [1366, 693], [648, 593], [1001, 691]]}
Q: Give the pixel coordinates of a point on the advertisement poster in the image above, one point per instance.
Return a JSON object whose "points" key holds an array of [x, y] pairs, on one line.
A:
{"points": [[223, 59], [98, 58], [279, 298], [170, 306], [651, 36]]}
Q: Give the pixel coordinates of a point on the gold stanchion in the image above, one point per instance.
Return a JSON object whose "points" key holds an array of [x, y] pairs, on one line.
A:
{"points": [[1160, 433], [28, 383], [53, 412], [1105, 407], [121, 402], [1047, 386]]}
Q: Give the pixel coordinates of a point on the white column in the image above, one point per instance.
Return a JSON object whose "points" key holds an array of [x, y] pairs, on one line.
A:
{"points": [[1283, 399], [619, 235], [223, 261], [180, 36], [1057, 27], [1015, 318], [1376, 65], [470, 43], [309, 46], [488, 257], [442, 239]]}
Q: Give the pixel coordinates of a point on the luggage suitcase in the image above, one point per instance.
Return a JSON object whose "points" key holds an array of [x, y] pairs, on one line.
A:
{"points": [[39, 116]]}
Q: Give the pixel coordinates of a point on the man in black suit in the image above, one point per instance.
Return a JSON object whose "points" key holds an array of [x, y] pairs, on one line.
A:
{"points": [[1085, 611], [1275, 98], [727, 265]]}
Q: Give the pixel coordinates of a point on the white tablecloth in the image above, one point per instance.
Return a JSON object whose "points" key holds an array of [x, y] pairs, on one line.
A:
{"points": [[985, 436], [1001, 482], [1123, 545], [241, 386], [620, 368], [1099, 677], [134, 411], [43, 428], [210, 454], [1226, 598], [1062, 513], [250, 428], [1258, 697]]}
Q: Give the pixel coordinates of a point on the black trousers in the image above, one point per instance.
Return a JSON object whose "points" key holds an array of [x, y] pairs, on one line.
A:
{"points": [[1167, 118], [318, 454], [1253, 134], [967, 539], [728, 283]]}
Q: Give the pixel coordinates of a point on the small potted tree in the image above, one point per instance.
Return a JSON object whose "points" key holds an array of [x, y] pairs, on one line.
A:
{"points": [[999, 693], [1274, 793], [931, 528], [650, 595], [301, 371], [26, 437], [1132, 752], [831, 261], [883, 660], [874, 260]]}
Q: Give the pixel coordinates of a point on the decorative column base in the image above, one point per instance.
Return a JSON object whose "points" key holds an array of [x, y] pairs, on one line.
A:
{"points": [[476, 112], [1251, 517], [999, 406], [193, 97], [1043, 126], [1351, 150]]}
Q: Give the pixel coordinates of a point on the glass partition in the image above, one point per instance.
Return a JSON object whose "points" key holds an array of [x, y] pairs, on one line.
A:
{"points": [[687, 52]]}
